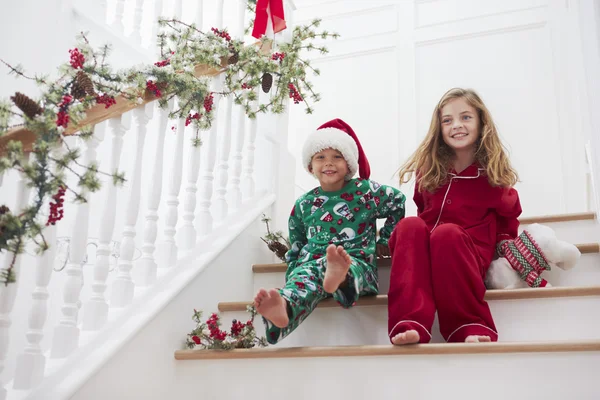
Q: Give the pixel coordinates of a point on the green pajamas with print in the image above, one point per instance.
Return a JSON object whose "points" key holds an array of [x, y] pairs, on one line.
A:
{"points": [[343, 218]]}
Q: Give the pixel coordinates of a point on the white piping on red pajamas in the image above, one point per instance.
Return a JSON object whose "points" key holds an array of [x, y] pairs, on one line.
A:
{"points": [[454, 176], [408, 320], [465, 325]]}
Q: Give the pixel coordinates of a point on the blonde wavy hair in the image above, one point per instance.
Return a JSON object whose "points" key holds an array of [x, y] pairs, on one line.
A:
{"points": [[433, 157]]}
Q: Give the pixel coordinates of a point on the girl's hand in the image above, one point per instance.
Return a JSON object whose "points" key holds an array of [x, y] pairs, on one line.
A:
{"points": [[382, 251]]}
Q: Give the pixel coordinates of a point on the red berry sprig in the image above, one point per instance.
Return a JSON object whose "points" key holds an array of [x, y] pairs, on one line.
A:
{"points": [[221, 33], [62, 117], [190, 117], [294, 94], [278, 56], [246, 86], [106, 100], [163, 63], [213, 326], [77, 59], [150, 85], [56, 207], [208, 102]]}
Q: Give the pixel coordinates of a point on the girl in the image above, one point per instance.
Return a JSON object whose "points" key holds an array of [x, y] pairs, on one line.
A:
{"points": [[466, 205]]}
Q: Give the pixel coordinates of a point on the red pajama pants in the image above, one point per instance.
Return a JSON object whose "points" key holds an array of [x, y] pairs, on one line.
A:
{"points": [[442, 271]]}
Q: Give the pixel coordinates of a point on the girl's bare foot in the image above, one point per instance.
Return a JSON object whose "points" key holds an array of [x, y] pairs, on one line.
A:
{"points": [[408, 337], [338, 264], [272, 306], [477, 339]]}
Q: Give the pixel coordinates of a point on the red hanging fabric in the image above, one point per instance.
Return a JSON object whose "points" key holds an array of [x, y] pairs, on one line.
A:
{"points": [[262, 16]]}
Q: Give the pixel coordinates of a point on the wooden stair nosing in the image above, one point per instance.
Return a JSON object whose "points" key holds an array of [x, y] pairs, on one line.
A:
{"points": [[513, 294], [389, 350], [544, 219], [584, 248]]}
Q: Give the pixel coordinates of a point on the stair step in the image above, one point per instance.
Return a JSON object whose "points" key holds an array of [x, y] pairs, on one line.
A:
{"points": [[546, 219], [389, 350], [491, 295]]}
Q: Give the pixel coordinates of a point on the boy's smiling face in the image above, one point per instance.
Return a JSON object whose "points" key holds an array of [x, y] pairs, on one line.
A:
{"points": [[330, 168]]}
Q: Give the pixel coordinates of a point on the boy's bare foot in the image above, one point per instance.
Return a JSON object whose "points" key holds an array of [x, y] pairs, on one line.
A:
{"points": [[408, 337], [477, 339], [338, 264], [272, 306]]}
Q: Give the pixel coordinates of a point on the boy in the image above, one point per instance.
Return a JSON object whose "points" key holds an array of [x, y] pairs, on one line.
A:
{"points": [[332, 231]]}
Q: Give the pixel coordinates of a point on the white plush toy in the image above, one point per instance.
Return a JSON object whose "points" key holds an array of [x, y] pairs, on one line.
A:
{"points": [[523, 260]]}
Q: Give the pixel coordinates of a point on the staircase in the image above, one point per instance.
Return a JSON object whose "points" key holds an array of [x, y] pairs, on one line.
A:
{"points": [[548, 347]]}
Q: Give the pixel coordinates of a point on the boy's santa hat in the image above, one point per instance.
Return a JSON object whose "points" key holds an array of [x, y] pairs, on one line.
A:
{"points": [[338, 135]]}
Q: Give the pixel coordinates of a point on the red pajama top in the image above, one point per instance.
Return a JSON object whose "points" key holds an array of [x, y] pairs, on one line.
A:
{"points": [[488, 214]]}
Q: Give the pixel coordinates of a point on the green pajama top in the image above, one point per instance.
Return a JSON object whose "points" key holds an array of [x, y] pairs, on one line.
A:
{"points": [[344, 218]]}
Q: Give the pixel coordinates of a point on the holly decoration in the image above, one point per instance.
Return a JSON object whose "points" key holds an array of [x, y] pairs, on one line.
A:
{"points": [[87, 80], [274, 241], [208, 335]]}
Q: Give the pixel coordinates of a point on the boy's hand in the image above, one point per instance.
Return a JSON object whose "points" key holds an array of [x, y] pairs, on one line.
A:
{"points": [[382, 251]]}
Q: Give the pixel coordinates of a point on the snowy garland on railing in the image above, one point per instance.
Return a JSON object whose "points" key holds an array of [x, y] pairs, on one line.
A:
{"points": [[87, 81]]}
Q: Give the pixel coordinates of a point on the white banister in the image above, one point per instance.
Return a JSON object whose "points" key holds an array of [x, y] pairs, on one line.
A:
{"points": [[209, 149], [179, 9], [200, 14], [8, 292], [118, 23], [123, 286], [187, 232], [103, 10], [66, 334], [31, 363], [146, 266], [220, 206], [168, 247], [137, 21], [234, 192], [158, 9], [95, 310], [248, 172]]}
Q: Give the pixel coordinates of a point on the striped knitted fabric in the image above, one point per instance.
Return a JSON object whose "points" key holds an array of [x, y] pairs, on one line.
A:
{"points": [[525, 256]]}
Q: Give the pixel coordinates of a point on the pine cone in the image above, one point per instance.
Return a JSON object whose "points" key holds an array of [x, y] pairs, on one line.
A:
{"points": [[85, 83], [279, 249], [29, 107], [267, 82], [4, 209], [233, 59], [77, 91]]}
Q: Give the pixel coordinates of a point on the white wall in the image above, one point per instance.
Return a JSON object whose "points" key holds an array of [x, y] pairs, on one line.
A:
{"points": [[522, 56]]}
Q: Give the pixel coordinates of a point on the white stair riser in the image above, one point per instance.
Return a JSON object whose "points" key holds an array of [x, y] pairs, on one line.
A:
{"points": [[551, 376], [516, 320], [585, 273], [575, 231]]}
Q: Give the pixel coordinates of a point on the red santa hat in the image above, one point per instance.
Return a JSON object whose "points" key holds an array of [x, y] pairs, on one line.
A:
{"points": [[338, 135]]}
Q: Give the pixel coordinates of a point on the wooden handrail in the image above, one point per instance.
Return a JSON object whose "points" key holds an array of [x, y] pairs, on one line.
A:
{"points": [[99, 113]]}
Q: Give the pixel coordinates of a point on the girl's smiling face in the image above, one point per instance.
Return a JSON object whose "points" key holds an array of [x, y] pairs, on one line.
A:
{"points": [[460, 125]]}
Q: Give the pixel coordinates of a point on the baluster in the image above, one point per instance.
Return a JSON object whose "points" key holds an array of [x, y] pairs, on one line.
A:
{"points": [[137, 21], [147, 265], [119, 15], [187, 233], [168, 246], [8, 293], [200, 14], [122, 290], [95, 310], [205, 219], [66, 333], [248, 173], [220, 206], [158, 8], [31, 363], [233, 191], [179, 9]]}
